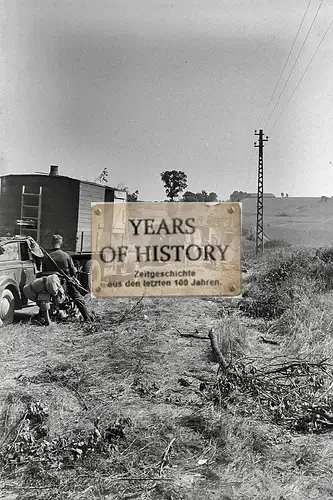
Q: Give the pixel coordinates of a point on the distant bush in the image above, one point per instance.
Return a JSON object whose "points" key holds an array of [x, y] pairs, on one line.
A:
{"points": [[275, 281], [245, 232]]}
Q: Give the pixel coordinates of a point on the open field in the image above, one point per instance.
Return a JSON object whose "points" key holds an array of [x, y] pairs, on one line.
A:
{"points": [[298, 221], [129, 408]]}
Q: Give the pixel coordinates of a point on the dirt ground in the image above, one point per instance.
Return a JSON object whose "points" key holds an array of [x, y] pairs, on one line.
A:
{"points": [[135, 379]]}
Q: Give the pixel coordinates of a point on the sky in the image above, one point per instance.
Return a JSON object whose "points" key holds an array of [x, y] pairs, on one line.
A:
{"points": [[144, 86]]}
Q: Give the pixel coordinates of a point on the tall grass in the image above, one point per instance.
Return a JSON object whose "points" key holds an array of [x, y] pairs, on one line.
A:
{"points": [[279, 278]]}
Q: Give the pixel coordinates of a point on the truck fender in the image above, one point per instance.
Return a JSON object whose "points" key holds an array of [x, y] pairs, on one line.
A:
{"points": [[12, 286]]}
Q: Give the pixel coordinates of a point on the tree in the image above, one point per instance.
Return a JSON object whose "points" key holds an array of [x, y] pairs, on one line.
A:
{"points": [[189, 197], [175, 181], [132, 197], [239, 195], [103, 176], [201, 197], [287, 195], [212, 197], [282, 195]]}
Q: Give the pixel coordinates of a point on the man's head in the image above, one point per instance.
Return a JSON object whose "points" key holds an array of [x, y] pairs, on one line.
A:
{"points": [[56, 241]]}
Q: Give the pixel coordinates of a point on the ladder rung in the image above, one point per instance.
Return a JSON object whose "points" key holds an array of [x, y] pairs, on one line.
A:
{"points": [[30, 224]]}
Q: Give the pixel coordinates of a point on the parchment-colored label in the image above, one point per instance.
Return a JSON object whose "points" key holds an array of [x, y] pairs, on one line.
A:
{"points": [[166, 249]]}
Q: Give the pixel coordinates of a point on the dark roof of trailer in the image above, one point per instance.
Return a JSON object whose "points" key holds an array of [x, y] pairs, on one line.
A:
{"points": [[64, 177]]}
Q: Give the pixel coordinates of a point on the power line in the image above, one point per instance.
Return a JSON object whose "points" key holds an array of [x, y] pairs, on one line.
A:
{"points": [[300, 80], [249, 167], [251, 154], [292, 69], [287, 60]]}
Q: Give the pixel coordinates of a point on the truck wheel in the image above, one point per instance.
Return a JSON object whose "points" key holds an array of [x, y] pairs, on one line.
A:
{"points": [[7, 307], [91, 271]]}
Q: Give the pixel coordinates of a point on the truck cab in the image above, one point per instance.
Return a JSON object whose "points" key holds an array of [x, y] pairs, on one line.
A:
{"points": [[20, 260]]}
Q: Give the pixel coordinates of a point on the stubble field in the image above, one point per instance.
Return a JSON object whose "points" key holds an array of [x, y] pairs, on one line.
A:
{"points": [[297, 221]]}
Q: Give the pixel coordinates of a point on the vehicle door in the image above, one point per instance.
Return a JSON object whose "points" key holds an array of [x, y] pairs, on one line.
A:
{"points": [[10, 265], [28, 266]]}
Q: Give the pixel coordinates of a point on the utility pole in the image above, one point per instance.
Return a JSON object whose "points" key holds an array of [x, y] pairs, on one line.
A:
{"points": [[260, 194]]}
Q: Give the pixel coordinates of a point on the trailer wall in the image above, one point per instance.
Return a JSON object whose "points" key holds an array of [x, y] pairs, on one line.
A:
{"points": [[60, 200], [88, 193]]}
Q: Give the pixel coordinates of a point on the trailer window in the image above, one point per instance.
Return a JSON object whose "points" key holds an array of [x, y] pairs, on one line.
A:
{"points": [[10, 251]]}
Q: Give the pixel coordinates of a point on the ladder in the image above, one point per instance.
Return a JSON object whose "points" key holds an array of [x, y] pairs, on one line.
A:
{"points": [[31, 203]]}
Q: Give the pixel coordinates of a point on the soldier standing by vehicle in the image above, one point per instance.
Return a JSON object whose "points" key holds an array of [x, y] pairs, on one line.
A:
{"points": [[64, 262]]}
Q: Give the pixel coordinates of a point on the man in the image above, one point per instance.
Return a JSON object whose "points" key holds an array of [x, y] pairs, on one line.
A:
{"points": [[41, 290], [64, 261]]}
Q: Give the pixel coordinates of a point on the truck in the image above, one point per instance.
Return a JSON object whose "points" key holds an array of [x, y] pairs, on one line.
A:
{"points": [[40, 205], [20, 259]]}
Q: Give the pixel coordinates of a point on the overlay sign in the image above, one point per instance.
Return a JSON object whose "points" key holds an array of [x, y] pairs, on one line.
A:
{"points": [[166, 249]]}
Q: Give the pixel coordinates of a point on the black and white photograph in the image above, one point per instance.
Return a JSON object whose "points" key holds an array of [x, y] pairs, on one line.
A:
{"points": [[207, 127]]}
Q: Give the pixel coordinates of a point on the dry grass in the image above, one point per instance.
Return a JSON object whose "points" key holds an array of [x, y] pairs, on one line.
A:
{"points": [[306, 329], [142, 373]]}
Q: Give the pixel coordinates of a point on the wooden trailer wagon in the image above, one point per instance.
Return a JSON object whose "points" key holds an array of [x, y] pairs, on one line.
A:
{"points": [[41, 205]]}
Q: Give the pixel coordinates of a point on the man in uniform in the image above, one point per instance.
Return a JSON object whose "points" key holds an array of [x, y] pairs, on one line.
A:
{"points": [[41, 290], [65, 263]]}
